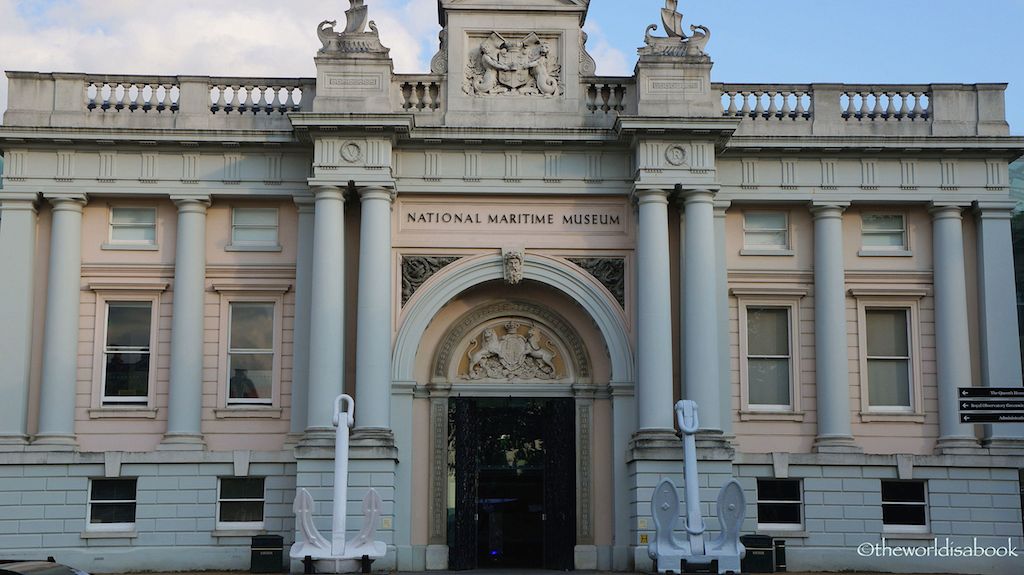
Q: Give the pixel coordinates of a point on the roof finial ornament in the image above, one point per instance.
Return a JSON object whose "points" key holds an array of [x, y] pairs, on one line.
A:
{"points": [[355, 37], [677, 43]]}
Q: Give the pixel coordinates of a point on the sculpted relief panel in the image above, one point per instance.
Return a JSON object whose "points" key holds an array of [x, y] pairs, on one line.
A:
{"points": [[512, 350], [500, 66]]}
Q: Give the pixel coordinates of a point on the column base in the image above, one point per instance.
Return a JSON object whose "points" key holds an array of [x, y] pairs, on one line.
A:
{"points": [[1005, 446], [53, 442], [318, 438], [437, 558], [836, 444], [182, 442], [957, 445], [291, 441], [712, 440], [13, 442], [373, 443]]}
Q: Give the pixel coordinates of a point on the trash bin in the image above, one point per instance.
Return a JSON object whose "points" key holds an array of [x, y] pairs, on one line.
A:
{"points": [[267, 554], [760, 557]]}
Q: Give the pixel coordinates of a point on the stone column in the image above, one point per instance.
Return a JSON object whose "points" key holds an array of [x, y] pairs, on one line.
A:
{"points": [[303, 292], [832, 372], [373, 319], [327, 324], [185, 391], [722, 310], [700, 305], [60, 332], [654, 321], [17, 260], [997, 308], [952, 346]]}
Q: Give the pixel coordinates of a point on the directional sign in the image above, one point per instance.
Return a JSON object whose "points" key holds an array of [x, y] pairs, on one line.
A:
{"points": [[991, 405], [1012, 417], [992, 392]]}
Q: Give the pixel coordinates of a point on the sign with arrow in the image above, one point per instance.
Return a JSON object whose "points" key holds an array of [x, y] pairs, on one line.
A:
{"points": [[992, 392], [991, 404], [1014, 417]]}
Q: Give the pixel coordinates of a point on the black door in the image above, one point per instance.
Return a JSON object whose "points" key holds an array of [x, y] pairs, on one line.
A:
{"points": [[515, 483]]}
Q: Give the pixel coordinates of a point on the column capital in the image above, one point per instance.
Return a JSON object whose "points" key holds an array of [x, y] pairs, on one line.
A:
{"points": [[67, 201], [650, 195], [377, 193], [722, 206], [305, 203], [995, 210], [328, 193], [827, 209], [191, 203], [27, 202], [940, 211]]}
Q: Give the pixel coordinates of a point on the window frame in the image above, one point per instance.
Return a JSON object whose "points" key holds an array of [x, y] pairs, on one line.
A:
{"points": [[885, 251], [795, 527], [270, 292], [789, 299], [110, 527], [754, 250], [904, 527], [107, 293], [115, 244], [254, 246], [909, 300], [240, 525]]}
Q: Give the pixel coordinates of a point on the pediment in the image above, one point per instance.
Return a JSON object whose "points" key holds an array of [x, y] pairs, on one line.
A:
{"points": [[514, 5]]}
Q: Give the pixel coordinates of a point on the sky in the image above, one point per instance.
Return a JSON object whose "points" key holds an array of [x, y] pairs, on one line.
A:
{"points": [[771, 41]]}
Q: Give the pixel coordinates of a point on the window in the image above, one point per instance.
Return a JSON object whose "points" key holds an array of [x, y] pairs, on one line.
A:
{"points": [[133, 226], [888, 358], [127, 352], [904, 506], [765, 231], [779, 504], [883, 232], [254, 228], [240, 503], [768, 357], [251, 354], [111, 505]]}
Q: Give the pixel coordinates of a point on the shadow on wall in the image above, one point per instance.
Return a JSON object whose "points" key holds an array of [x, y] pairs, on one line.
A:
{"points": [[1017, 227]]}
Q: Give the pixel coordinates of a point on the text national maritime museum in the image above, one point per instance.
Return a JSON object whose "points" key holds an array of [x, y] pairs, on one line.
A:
{"points": [[516, 268]]}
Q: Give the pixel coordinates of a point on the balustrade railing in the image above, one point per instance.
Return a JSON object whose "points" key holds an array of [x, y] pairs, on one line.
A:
{"points": [[133, 94], [607, 95], [768, 101], [256, 95], [886, 103], [420, 93]]}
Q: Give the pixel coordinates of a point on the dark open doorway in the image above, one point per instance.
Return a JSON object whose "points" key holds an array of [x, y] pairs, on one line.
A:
{"points": [[515, 483]]}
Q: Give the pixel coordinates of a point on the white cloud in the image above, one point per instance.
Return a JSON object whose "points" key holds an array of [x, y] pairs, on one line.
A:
{"points": [[610, 60]]}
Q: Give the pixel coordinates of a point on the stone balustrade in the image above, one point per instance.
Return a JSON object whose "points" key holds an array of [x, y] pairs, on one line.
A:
{"points": [[204, 102]]}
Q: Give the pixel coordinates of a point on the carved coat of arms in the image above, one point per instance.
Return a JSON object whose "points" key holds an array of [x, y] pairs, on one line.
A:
{"points": [[513, 67], [511, 356]]}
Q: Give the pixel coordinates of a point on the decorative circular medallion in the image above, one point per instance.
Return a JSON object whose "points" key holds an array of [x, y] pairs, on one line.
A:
{"points": [[351, 152], [675, 155]]}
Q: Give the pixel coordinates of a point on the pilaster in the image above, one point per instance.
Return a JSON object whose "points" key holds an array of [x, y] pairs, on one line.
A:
{"points": [[185, 392], [60, 332], [722, 309], [18, 217], [305, 205], [831, 368]]}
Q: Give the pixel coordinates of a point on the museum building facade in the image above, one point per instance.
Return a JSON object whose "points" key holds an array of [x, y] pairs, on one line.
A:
{"points": [[516, 267]]}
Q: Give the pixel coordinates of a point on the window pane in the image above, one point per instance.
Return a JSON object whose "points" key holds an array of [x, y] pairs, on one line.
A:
{"points": [[241, 488], [767, 331], [252, 326], [884, 240], [887, 332], [113, 490], [255, 216], [127, 375], [778, 490], [140, 234], [882, 222], [903, 515], [128, 324], [903, 491], [765, 220], [889, 382], [112, 513], [765, 239], [133, 216], [769, 381], [255, 235], [778, 513], [237, 511], [252, 376]]}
